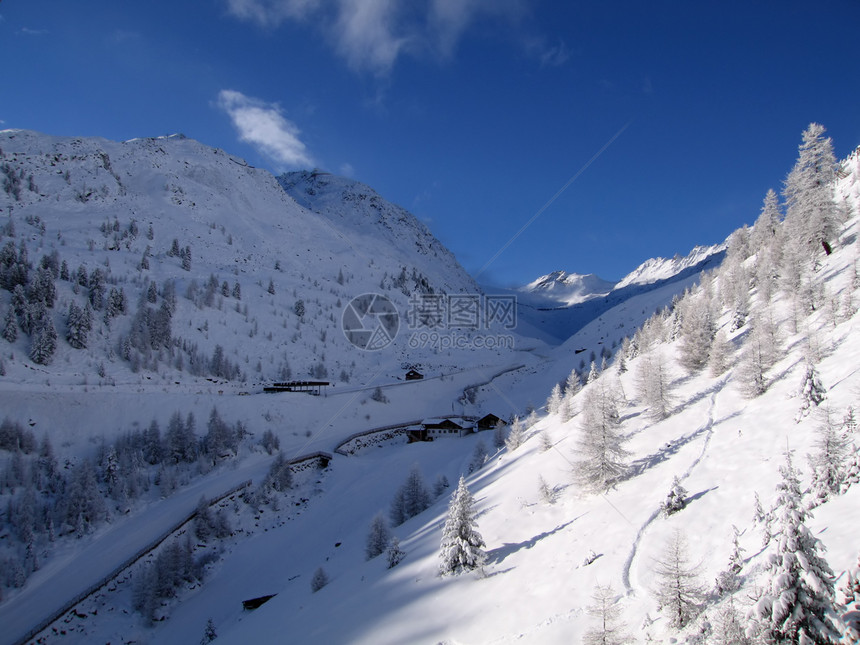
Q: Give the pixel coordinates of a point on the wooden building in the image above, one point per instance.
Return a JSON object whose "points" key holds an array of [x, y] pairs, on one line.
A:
{"points": [[430, 429], [414, 375], [490, 422]]}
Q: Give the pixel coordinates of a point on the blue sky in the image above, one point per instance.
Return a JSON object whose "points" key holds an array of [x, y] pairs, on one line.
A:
{"points": [[470, 113]]}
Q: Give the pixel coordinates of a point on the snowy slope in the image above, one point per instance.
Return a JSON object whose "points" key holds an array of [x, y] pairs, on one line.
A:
{"points": [[723, 446]]}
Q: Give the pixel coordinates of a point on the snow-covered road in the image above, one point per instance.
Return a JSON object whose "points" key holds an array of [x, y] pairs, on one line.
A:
{"points": [[68, 575]]}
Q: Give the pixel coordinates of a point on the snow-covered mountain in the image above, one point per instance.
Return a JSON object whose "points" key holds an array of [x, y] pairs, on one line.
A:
{"points": [[568, 288], [296, 547], [560, 288], [556, 306], [118, 206], [662, 269]]}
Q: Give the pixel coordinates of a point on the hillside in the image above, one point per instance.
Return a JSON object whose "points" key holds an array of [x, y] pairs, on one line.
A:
{"points": [[547, 551], [706, 365]]}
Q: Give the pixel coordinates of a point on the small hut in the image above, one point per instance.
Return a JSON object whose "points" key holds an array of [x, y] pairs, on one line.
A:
{"points": [[490, 422]]}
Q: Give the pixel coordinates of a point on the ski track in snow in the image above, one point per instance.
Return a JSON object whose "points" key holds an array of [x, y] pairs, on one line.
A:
{"points": [[708, 429]]}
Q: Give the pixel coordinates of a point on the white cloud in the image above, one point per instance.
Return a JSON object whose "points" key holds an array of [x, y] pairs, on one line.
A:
{"points": [[370, 35], [548, 55], [364, 34], [271, 13], [264, 126]]}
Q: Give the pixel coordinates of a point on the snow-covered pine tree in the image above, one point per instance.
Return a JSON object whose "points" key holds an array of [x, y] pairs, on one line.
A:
{"points": [[10, 326], [378, 537], [516, 435], [679, 593], [479, 456], [394, 553], [767, 225], [676, 500], [547, 494], [759, 352], [718, 358], [812, 392], [203, 521], [728, 627], [573, 384], [798, 593], [600, 449], [652, 384], [593, 373], [545, 441], [828, 462], [728, 580], [609, 627], [78, 324], [849, 421], [43, 338], [554, 402], [319, 580], [411, 499], [811, 215], [462, 547], [851, 601], [280, 475], [440, 485], [697, 333], [209, 633]]}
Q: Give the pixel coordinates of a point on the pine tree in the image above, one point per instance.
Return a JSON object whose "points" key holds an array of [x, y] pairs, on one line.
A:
{"points": [[411, 499], [767, 225], [798, 593], [462, 547], [812, 392], [828, 462], [394, 553], [479, 456], [676, 500], [697, 333], [718, 357], [851, 602], [209, 633], [554, 402], [679, 594], [10, 326], [652, 383], [600, 446], [759, 352], [516, 435], [609, 629], [811, 214], [78, 324], [319, 580], [728, 628], [378, 538], [43, 338], [203, 521], [593, 373], [280, 475], [728, 580]]}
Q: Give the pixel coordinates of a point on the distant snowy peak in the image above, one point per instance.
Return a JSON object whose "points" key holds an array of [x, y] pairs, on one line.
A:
{"points": [[563, 289], [569, 288], [657, 269]]}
